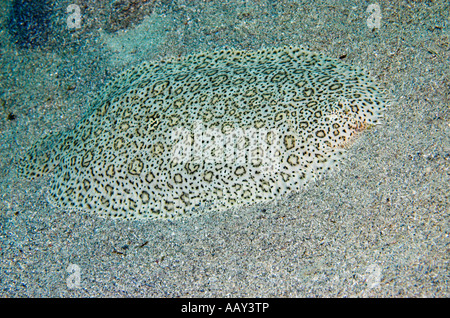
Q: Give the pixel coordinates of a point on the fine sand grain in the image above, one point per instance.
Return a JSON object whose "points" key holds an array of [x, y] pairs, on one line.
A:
{"points": [[377, 227]]}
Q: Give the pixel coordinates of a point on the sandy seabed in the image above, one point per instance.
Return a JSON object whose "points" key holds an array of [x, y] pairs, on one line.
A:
{"points": [[377, 227]]}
